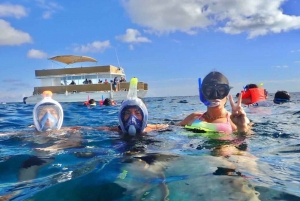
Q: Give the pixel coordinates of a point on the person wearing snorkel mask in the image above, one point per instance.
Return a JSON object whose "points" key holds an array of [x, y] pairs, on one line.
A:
{"points": [[48, 118], [213, 93], [281, 97], [133, 115], [133, 118], [48, 114]]}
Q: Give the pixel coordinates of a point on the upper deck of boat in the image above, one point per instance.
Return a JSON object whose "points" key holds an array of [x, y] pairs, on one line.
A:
{"points": [[56, 80], [91, 70]]}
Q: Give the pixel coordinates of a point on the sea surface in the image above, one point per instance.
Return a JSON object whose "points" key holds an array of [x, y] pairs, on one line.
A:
{"points": [[171, 164]]}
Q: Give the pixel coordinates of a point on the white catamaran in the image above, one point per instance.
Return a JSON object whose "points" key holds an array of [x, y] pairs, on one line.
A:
{"points": [[78, 84]]}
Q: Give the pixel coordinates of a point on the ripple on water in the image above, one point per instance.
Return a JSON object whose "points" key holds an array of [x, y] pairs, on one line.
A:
{"points": [[175, 159]]}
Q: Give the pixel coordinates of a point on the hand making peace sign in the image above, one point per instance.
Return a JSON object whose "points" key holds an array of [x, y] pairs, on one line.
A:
{"points": [[238, 115]]}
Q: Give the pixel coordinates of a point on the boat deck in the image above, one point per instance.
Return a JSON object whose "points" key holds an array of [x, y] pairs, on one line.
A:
{"points": [[122, 86]]}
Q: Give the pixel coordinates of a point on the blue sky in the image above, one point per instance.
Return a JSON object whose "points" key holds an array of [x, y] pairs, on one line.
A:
{"points": [[168, 44]]}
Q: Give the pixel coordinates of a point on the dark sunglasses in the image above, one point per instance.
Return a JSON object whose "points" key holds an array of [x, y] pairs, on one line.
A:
{"points": [[215, 91]]}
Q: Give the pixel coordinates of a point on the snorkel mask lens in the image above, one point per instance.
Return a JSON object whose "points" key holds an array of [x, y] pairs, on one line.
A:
{"points": [[47, 117], [47, 114], [131, 116], [280, 100], [48, 122], [214, 91]]}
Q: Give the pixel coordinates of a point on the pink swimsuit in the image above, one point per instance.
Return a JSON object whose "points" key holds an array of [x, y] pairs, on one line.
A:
{"points": [[213, 127]]}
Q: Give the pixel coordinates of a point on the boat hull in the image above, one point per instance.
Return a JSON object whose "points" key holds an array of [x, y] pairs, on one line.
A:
{"points": [[83, 96]]}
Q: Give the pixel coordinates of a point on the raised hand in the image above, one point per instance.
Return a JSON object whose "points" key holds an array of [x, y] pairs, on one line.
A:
{"points": [[238, 115]]}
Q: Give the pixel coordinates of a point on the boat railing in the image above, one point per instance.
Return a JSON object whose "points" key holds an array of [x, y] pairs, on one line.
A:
{"points": [[122, 86], [80, 71]]}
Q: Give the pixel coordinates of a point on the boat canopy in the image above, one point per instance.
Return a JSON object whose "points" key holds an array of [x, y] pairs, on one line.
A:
{"points": [[70, 59]]}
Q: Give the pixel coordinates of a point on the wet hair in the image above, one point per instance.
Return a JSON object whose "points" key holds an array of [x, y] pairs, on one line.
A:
{"points": [[282, 95], [251, 86], [215, 77], [91, 101], [107, 102], [237, 95]]}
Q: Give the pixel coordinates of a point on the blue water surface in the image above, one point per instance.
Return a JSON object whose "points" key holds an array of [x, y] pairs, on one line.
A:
{"points": [[172, 164]]}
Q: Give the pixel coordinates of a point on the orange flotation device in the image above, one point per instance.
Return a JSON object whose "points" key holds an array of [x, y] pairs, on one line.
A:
{"points": [[256, 94]]}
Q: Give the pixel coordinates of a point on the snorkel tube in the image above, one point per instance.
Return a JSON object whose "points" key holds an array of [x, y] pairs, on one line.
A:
{"points": [[201, 96], [133, 125], [258, 86], [203, 99]]}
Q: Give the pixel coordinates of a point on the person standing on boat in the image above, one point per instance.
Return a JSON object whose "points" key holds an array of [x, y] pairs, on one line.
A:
{"points": [[122, 79], [115, 82]]}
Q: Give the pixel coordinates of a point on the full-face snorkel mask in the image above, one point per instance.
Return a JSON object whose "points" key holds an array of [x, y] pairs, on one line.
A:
{"points": [[47, 114], [133, 114], [212, 91]]}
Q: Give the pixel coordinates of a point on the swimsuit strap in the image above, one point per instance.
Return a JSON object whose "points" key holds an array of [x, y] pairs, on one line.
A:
{"points": [[201, 116], [227, 116]]}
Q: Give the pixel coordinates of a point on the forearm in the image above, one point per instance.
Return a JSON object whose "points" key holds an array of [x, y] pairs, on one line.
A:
{"points": [[243, 129], [189, 119], [152, 127]]}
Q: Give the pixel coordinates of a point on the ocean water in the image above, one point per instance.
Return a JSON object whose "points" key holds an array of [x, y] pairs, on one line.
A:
{"points": [[173, 164]]}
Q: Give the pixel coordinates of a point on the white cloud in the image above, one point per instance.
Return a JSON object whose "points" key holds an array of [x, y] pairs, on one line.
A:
{"points": [[10, 10], [96, 46], [283, 66], [293, 51], [132, 36], [47, 14], [131, 47], [295, 80], [255, 17], [49, 7], [11, 36], [36, 54]]}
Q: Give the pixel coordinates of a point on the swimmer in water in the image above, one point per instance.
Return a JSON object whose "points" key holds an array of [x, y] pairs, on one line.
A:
{"points": [[133, 115], [213, 93]]}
